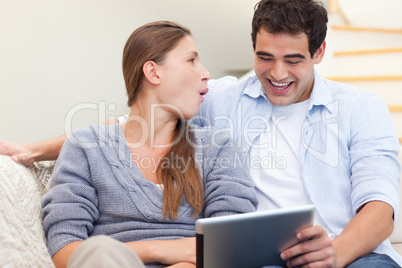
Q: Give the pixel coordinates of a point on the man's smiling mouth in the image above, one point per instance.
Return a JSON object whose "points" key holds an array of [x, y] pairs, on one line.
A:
{"points": [[280, 86]]}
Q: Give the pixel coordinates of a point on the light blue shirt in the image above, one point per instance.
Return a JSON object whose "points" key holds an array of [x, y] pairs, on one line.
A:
{"points": [[349, 146]]}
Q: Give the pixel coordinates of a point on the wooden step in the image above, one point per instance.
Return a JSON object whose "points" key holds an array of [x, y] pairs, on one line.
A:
{"points": [[366, 29], [365, 78], [367, 51], [395, 108]]}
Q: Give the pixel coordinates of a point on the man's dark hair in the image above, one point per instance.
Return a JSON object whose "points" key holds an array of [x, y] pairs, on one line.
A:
{"points": [[292, 17]]}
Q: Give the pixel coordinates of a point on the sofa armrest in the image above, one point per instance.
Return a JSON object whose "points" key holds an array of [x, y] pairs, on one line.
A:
{"points": [[22, 238], [42, 172]]}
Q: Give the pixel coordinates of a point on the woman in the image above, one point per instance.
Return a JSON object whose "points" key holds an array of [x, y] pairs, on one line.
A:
{"points": [[143, 184]]}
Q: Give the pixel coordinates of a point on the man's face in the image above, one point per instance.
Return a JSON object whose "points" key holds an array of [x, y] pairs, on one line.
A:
{"points": [[284, 66]]}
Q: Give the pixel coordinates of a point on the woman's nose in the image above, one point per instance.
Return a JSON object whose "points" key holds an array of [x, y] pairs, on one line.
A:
{"points": [[205, 74]]}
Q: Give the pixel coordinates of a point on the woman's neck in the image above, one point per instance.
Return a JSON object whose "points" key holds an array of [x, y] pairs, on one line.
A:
{"points": [[149, 125]]}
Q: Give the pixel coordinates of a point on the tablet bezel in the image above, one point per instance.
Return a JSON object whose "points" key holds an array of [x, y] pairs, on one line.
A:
{"points": [[252, 239]]}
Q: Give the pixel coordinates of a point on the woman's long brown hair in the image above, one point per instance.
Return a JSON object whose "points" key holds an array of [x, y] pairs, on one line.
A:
{"points": [[177, 171]]}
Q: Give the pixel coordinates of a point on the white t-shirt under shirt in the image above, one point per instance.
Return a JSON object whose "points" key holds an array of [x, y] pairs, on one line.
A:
{"points": [[275, 164]]}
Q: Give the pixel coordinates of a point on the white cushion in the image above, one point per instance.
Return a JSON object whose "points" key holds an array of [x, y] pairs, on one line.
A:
{"points": [[22, 238]]}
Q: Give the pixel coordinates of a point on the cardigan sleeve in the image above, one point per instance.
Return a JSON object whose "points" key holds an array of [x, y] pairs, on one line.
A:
{"points": [[70, 208], [228, 187]]}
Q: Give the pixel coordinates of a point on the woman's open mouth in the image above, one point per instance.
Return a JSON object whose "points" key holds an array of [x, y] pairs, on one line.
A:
{"points": [[205, 91]]}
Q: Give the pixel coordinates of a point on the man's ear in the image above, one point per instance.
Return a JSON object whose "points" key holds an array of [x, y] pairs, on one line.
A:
{"points": [[150, 70], [319, 53]]}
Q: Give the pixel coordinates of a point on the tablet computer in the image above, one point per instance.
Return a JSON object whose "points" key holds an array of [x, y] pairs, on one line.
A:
{"points": [[249, 240]]}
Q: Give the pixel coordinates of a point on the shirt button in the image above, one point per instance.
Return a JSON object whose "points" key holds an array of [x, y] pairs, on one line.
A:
{"points": [[332, 236]]}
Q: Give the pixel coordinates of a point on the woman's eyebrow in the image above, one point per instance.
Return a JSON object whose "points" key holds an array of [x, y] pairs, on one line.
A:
{"points": [[194, 54]]}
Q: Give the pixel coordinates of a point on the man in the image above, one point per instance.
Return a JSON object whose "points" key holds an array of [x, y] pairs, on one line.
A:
{"points": [[307, 140], [324, 142]]}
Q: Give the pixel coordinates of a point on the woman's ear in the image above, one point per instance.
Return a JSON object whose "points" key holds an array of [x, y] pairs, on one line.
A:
{"points": [[150, 70]]}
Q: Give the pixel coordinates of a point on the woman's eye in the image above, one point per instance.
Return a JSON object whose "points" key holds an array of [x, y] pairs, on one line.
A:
{"points": [[192, 60]]}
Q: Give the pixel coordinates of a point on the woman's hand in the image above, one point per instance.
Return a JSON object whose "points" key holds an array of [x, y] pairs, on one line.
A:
{"points": [[182, 265], [166, 251], [176, 251]]}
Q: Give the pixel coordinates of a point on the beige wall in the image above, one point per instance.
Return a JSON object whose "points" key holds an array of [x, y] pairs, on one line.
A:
{"points": [[56, 55], [60, 60]]}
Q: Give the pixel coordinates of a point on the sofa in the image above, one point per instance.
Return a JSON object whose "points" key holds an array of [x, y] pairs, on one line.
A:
{"points": [[22, 240]]}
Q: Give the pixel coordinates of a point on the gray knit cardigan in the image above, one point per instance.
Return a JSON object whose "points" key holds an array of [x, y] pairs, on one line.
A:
{"points": [[98, 189]]}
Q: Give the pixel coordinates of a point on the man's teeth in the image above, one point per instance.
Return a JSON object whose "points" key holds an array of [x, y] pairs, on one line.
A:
{"points": [[280, 84]]}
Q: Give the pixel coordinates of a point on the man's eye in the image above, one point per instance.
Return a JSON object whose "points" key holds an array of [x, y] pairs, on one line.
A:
{"points": [[265, 59], [191, 60], [293, 62]]}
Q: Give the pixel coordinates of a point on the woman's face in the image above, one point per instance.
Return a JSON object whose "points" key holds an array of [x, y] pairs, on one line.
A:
{"points": [[183, 79]]}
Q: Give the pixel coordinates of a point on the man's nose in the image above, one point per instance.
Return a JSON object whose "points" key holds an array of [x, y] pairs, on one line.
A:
{"points": [[279, 71]]}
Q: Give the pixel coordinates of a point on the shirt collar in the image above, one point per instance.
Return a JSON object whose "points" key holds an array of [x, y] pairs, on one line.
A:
{"points": [[255, 90], [321, 95]]}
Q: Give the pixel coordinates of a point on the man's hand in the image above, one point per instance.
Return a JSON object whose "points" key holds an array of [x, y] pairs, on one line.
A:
{"points": [[316, 250], [22, 153], [27, 153]]}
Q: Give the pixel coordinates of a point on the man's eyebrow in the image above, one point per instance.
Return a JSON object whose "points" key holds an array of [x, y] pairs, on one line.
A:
{"points": [[262, 53], [297, 55]]}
